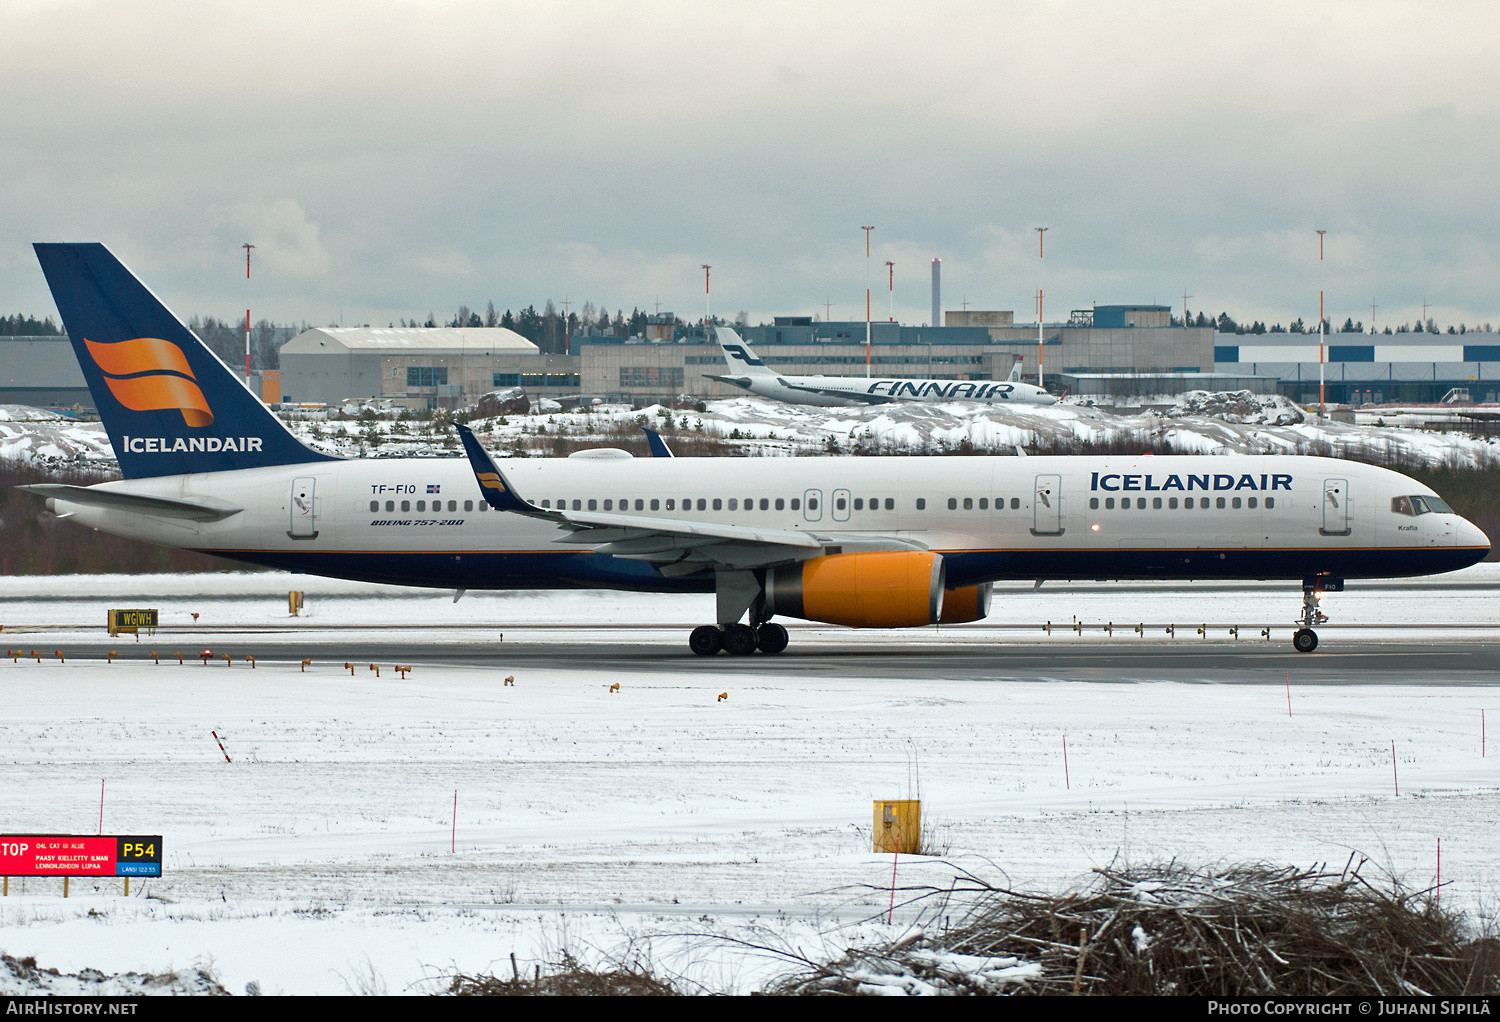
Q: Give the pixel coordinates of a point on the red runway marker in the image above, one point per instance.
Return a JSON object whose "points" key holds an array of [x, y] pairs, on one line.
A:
{"points": [[221, 746]]}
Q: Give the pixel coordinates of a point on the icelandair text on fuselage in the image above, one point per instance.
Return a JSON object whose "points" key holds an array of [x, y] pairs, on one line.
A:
{"points": [[1114, 482], [1372, 1007], [169, 445]]}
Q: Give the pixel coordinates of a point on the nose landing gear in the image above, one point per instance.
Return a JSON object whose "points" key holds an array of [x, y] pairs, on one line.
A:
{"points": [[738, 639], [1304, 639]]}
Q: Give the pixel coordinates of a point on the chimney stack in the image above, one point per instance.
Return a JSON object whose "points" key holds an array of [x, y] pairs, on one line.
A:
{"points": [[937, 292]]}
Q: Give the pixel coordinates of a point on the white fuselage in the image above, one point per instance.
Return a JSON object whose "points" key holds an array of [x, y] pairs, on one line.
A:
{"points": [[842, 391], [424, 522]]}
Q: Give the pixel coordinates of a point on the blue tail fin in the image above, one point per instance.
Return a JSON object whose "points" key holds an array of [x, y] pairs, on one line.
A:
{"points": [[169, 405]]}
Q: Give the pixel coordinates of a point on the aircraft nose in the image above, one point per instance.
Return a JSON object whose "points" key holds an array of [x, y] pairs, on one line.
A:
{"points": [[1470, 535]]}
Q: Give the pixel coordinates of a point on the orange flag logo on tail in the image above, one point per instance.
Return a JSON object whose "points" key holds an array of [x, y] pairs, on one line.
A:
{"points": [[148, 373]]}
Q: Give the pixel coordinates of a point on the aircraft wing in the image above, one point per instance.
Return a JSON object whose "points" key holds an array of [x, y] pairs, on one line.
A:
{"points": [[869, 399], [140, 503], [676, 546]]}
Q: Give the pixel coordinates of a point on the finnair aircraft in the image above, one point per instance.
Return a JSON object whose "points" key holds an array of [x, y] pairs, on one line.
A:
{"points": [[751, 374], [864, 542]]}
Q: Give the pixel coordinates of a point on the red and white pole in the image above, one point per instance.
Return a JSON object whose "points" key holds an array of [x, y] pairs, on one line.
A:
{"points": [[247, 247]]}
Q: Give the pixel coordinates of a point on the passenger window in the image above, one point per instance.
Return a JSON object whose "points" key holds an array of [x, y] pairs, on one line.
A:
{"points": [[718, 504], [1093, 503], [609, 505], [1270, 503], [1140, 503], [874, 503], [452, 505], [796, 504], [374, 505], [577, 505], [890, 503], [764, 502], [655, 504], [1220, 503], [838, 503], [421, 505], [1156, 503], [1109, 503], [1235, 503], [1124, 503], [670, 503], [702, 505], [859, 503], [1402, 506], [921, 503], [734, 504], [484, 505], [968, 503], [984, 503], [640, 505], [1250, 502], [593, 504], [1015, 503], [1188, 503], [406, 505], [468, 505], [1172, 503], [812, 503], [546, 503], [952, 503], [625, 504]]}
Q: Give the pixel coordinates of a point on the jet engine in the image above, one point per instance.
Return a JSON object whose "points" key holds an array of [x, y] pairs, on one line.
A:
{"points": [[971, 603], [899, 589]]}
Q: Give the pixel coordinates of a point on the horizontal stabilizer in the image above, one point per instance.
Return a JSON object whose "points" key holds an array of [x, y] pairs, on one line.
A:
{"points": [[139, 503]]}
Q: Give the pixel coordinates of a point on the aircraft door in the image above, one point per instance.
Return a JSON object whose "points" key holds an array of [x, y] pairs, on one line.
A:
{"points": [[812, 505], [841, 503], [1046, 506], [1338, 518], [304, 523]]}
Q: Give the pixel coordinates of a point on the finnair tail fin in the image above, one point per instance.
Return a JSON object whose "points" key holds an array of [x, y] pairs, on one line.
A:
{"points": [[741, 359], [1015, 371], [169, 405]]}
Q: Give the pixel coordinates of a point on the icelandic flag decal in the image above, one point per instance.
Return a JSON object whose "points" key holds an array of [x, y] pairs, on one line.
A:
{"points": [[433, 489]]}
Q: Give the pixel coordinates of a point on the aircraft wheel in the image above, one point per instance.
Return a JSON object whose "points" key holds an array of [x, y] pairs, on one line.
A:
{"points": [[1305, 640], [706, 640], [771, 639], [739, 640]]}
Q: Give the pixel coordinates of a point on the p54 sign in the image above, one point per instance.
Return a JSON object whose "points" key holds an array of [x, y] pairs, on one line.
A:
{"points": [[33, 855]]}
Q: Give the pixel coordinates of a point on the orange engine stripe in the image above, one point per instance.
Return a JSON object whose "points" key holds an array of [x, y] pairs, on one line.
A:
{"points": [[141, 355]]}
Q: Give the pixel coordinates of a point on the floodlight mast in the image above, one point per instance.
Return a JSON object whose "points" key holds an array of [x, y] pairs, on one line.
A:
{"points": [[1041, 233], [708, 318], [1321, 340], [247, 247], [892, 268], [867, 231]]}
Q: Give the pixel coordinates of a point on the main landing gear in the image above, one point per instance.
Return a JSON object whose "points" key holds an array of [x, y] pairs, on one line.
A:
{"points": [[737, 639], [1304, 639]]}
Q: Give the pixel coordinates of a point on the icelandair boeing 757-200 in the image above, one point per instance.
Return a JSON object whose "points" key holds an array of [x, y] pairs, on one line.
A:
{"points": [[864, 542], [751, 374]]}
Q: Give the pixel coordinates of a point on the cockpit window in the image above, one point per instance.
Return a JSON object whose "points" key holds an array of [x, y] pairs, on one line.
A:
{"points": [[1420, 505]]}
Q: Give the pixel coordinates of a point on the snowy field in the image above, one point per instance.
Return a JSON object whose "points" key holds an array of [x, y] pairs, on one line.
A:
{"points": [[1199, 423], [659, 819]]}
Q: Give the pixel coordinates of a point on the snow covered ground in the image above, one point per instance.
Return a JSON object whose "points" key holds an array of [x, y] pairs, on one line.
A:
{"points": [[660, 818], [1201, 423]]}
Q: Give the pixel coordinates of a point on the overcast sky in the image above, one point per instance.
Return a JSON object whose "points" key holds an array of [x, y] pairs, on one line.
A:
{"points": [[394, 157]]}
